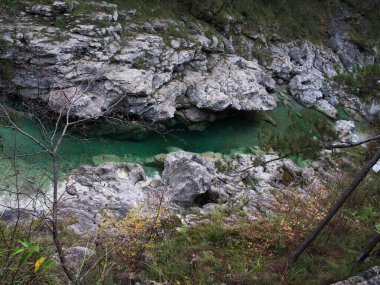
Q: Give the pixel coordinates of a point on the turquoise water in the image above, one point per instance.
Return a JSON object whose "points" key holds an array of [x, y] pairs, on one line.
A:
{"points": [[236, 133]]}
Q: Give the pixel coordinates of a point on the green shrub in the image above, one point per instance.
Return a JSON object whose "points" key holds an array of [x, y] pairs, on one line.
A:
{"points": [[23, 260], [362, 81], [301, 139]]}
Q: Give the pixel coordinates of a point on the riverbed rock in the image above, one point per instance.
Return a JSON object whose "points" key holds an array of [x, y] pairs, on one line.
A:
{"points": [[187, 176], [347, 131], [111, 186], [325, 107], [306, 88]]}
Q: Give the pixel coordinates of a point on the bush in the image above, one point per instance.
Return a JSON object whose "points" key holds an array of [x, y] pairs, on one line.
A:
{"points": [[128, 238], [300, 139], [23, 260], [361, 81]]}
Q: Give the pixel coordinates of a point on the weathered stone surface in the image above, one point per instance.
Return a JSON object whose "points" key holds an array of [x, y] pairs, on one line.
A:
{"points": [[350, 52], [187, 176], [325, 107], [347, 131], [232, 83], [306, 88], [156, 74], [76, 256], [308, 69], [154, 78], [43, 10], [116, 187]]}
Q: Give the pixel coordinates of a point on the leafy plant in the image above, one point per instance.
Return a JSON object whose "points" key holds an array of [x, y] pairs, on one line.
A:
{"points": [[27, 250]]}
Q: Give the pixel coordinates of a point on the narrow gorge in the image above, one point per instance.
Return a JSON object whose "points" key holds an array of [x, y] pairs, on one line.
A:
{"points": [[187, 141]]}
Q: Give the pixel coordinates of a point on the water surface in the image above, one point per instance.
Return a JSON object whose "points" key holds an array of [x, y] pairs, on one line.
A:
{"points": [[237, 133]]}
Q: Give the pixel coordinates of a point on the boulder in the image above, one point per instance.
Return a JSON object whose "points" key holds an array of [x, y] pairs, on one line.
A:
{"points": [[187, 176], [325, 107], [306, 88], [233, 83], [346, 131]]}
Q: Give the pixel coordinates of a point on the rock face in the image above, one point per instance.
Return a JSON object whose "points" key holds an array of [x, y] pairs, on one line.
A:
{"points": [[188, 180], [349, 52], [152, 71], [110, 186], [306, 66], [144, 73]]}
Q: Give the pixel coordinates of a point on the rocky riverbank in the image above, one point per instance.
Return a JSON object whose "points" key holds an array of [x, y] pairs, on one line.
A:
{"points": [[160, 68], [200, 182], [92, 61]]}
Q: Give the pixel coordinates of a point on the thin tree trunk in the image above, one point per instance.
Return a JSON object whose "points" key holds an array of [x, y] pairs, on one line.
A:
{"points": [[55, 231], [368, 248], [337, 205]]}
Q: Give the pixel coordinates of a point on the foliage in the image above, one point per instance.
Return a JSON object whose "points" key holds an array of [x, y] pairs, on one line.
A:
{"points": [[234, 250], [362, 81], [130, 237], [219, 251], [303, 140], [6, 70], [27, 251], [291, 19], [3, 45], [13, 7], [24, 261], [204, 254], [365, 32]]}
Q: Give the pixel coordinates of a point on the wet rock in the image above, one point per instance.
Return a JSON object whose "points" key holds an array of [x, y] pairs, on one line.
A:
{"points": [[325, 107]]}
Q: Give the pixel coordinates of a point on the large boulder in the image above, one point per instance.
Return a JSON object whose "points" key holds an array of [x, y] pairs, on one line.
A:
{"points": [[188, 176], [306, 88], [232, 83]]}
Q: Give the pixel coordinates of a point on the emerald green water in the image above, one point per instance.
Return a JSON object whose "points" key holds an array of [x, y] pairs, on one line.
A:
{"points": [[238, 133]]}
